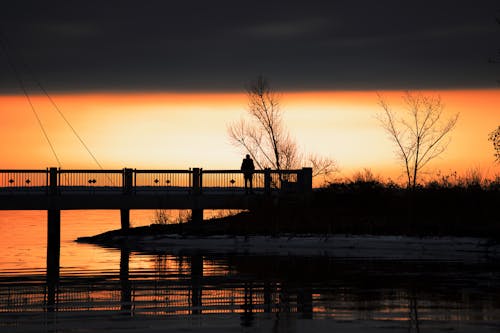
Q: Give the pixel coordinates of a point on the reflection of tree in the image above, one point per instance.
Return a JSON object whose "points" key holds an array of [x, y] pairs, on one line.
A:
{"points": [[413, 313]]}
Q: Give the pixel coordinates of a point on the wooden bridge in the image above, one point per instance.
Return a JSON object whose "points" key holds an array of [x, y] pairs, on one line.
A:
{"points": [[196, 189], [56, 189]]}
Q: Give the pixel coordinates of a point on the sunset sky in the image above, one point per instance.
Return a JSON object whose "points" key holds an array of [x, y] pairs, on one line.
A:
{"points": [[155, 84]]}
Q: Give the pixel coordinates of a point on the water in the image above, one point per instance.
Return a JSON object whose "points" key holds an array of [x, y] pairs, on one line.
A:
{"points": [[117, 289]]}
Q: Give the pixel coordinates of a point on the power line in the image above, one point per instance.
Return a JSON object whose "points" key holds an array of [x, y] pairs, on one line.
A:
{"points": [[31, 73], [64, 118], [23, 88]]}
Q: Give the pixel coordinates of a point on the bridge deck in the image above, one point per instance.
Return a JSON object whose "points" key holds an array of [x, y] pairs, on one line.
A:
{"points": [[144, 189]]}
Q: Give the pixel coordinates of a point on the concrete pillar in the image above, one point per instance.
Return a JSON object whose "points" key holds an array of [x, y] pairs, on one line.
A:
{"points": [[53, 183], [197, 213], [125, 219], [53, 241], [128, 186], [197, 216], [53, 255]]}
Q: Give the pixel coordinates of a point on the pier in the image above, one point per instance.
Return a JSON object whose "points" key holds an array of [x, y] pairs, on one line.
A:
{"points": [[195, 189]]}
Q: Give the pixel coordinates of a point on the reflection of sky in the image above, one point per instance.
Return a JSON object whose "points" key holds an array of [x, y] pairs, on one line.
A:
{"points": [[25, 235]]}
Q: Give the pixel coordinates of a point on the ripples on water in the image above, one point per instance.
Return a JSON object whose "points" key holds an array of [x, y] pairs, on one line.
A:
{"points": [[411, 294], [264, 293]]}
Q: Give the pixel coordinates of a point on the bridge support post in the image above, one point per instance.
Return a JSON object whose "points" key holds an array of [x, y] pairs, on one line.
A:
{"points": [[127, 184], [53, 242], [305, 180], [125, 219], [267, 181], [53, 254], [197, 213]]}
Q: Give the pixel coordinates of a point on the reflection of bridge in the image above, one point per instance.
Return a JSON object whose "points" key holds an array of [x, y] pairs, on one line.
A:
{"points": [[195, 189], [165, 290]]}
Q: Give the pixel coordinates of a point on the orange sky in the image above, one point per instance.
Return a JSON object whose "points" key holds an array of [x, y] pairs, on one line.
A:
{"points": [[189, 130]]}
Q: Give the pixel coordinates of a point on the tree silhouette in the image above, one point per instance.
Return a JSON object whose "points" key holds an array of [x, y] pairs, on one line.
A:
{"points": [[419, 132], [494, 137], [264, 136]]}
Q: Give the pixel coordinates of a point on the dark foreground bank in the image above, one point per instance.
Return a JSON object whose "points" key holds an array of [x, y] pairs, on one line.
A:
{"points": [[355, 208]]}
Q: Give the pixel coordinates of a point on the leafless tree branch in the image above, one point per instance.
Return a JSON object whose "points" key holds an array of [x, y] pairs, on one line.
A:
{"points": [[419, 133], [264, 135]]}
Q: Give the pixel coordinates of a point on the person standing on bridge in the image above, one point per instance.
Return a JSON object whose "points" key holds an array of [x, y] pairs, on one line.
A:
{"points": [[248, 168]]}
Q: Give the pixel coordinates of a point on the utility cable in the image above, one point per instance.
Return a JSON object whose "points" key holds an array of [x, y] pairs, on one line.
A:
{"points": [[56, 107], [25, 91], [39, 84], [64, 118]]}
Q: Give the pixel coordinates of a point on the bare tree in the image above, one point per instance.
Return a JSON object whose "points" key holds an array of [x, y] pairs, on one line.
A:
{"points": [[494, 137], [264, 135], [419, 132]]}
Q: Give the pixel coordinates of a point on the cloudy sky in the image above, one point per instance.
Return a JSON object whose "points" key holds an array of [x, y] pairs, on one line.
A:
{"points": [[220, 45]]}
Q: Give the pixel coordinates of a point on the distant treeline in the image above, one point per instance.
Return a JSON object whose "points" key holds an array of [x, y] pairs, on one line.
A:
{"points": [[379, 209], [357, 208]]}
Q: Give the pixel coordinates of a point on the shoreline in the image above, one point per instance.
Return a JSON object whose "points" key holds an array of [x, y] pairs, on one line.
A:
{"points": [[349, 246]]}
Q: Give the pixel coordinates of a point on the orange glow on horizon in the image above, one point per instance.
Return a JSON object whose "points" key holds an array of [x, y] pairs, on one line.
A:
{"points": [[182, 130]]}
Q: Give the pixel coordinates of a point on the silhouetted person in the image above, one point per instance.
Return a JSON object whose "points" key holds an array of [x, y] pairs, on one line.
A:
{"points": [[248, 168]]}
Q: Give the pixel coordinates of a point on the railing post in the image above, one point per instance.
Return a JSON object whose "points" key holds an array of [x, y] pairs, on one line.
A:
{"points": [[267, 181], [196, 180], [53, 185], [306, 180], [127, 184], [197, 213]]}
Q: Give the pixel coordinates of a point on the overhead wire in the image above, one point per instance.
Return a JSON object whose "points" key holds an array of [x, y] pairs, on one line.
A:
{"points": [[25, 91], [56, 107], [64, 117]]}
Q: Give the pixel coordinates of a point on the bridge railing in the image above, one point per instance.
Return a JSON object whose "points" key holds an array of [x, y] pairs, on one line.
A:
{"points": [[76, 181], [24, 180], [230, 180], [133, 181], [165, 180]]}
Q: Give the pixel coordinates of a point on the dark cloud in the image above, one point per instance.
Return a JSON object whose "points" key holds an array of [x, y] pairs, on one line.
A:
{"points": [[220, 45]]}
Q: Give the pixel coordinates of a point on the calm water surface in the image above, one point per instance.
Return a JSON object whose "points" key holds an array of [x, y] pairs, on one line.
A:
{"points": [[105, 289]]}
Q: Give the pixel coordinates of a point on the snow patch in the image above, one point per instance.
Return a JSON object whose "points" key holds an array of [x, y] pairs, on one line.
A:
{"points": [[345, 246]]}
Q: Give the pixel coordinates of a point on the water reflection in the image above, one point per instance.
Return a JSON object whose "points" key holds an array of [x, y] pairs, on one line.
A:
{"points": [[126, 287], [279, 286]]}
